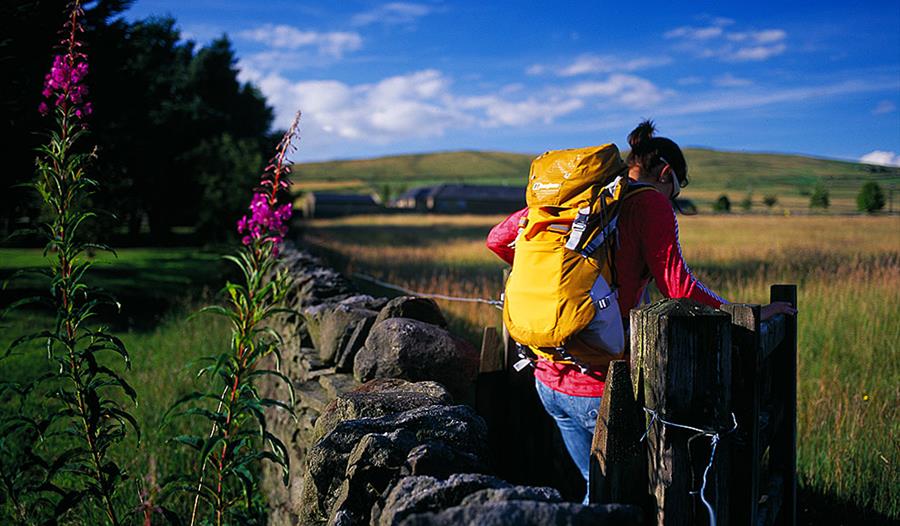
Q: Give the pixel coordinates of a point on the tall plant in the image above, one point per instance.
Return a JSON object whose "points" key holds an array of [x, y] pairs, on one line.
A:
{"points": [[240, 439], [65, 450]]}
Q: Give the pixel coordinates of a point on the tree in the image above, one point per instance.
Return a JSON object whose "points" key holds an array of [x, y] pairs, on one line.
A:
{"points": [[770, 201], [722, 204], [161, 110], [870, 198], [29, 30], [747, 202], [819, 197], [228, 167]]}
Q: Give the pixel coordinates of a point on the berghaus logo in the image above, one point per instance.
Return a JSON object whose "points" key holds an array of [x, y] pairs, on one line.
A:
{"points": [[544, 186]]}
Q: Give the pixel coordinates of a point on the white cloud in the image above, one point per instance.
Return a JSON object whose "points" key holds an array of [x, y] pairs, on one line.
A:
{"points": [[730, 100], [754, 52], [730, 81], [883, 107], [881, 158], [760, 37], [501, 112], [415, 105], [694, 33], [334, 44], [592, 64], [719, 41], [393, 13], [423, 104], [629, 90]]}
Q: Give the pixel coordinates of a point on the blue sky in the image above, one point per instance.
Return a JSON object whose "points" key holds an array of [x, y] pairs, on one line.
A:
{"points": [[376, 78]]}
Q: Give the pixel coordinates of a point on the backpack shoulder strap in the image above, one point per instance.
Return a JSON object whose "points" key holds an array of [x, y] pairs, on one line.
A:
{"points": [[636, 188]]}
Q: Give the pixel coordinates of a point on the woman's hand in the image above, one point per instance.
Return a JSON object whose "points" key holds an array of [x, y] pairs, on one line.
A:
{"points": [[775, 308]]}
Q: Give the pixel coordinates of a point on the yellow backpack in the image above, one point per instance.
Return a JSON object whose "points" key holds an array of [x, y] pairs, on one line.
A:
{"points": [[563, 277]]}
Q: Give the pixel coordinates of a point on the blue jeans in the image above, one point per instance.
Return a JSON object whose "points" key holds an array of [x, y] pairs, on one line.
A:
{"points": [[575, 417]]}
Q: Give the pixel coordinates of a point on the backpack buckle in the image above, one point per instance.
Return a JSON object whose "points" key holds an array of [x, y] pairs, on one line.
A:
{"points": [[579, 225], [566, 355]]}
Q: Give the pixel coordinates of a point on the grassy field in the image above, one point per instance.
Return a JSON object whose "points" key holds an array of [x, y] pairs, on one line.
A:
{"points": [[158, 289], [848, 272], [791, 178]]}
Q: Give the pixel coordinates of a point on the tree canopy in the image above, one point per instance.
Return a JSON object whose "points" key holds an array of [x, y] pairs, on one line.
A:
{"points": [[180, 139]]}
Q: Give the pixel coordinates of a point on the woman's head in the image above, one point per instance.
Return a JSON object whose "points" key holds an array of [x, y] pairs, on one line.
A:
{"points": [[656, 160]]}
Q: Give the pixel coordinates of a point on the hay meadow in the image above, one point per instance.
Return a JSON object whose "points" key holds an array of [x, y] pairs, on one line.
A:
{"points": [[848, 272]]}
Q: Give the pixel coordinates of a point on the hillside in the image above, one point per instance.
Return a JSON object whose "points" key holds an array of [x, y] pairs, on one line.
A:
{"points": [[789, 177]]}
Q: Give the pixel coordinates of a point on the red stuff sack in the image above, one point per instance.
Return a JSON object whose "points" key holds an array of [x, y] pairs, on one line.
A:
{"points": [[503, 234]]}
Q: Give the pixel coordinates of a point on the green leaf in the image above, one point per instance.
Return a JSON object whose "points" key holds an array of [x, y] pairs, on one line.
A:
{"points": [[209, 446], [26, 338], [120, 382], [190, 440], [217, 418], [190, 397], [121, 415]]}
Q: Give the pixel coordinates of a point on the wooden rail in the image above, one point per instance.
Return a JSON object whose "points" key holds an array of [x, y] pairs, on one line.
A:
{"points": [[690, 365]]}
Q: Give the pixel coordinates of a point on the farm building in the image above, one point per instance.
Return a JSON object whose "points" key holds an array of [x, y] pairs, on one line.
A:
{"points": [[413, 199], [319, 204], [463, 199]]}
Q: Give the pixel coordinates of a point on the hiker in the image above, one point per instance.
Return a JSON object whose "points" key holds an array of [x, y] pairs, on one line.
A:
{"points": [[638, 204]]}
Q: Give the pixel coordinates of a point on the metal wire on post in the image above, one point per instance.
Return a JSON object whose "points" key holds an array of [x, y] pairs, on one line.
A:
{"points": [[715, 437]]}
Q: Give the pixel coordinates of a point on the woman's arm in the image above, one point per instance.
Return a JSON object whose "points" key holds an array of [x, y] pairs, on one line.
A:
{"points": [[663, 255], [662, 252]]}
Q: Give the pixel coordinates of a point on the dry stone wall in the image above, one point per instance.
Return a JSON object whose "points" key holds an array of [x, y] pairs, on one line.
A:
{"points": [[383, 431]]}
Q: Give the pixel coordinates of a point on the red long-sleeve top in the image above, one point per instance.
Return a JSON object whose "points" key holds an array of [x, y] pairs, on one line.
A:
{"points": [[648, 248]]}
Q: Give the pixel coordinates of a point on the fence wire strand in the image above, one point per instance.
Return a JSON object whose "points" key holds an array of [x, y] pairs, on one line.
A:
{"points": [[714, 436], [495, 303]]}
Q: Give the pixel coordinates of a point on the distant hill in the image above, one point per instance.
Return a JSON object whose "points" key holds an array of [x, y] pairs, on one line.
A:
{"points": [[440, 166], [791, 178]]}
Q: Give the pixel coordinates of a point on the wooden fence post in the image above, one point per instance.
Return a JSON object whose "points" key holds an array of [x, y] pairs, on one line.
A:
{"points": [[745, 472], [681, 368], [618, 456], [784, 444]]}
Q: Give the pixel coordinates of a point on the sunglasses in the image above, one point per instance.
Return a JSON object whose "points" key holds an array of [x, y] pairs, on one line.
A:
{"points": [[677, 185]]}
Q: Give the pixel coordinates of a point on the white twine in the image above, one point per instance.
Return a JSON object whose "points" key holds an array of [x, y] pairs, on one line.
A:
{"points": [[715, 436], [495, 303]]}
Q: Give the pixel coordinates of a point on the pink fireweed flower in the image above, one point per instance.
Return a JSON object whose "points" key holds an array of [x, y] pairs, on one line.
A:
{"points": [[64, 84], [266, 221]]}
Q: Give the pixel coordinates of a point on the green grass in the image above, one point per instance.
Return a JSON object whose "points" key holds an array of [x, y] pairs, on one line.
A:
{"points": [[158, 289], [790, 177]]}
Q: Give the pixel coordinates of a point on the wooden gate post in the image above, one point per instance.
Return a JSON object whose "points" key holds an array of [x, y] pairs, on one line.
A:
{"points": [[746, 371], [784, 444], [618, 456], [681, 369]]}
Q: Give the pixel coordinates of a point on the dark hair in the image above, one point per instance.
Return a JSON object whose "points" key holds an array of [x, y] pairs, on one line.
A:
{"points": [[649, 151]]}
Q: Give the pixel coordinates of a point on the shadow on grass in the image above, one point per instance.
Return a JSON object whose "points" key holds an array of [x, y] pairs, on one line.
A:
{"points": [[402, 235], [818, 509], [146, 287]]}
